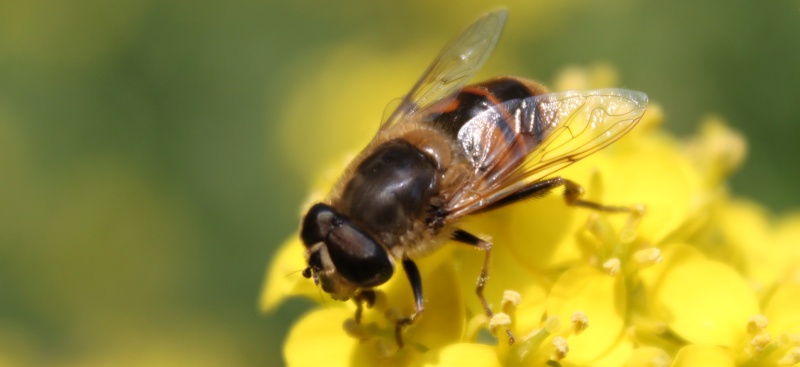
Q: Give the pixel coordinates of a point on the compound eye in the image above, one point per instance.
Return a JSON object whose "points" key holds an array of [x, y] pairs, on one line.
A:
{"points": [[358, 257], [317, 223]]}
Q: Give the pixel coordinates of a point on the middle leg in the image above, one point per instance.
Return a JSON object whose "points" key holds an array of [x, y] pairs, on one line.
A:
{"points": [[472, 240]]}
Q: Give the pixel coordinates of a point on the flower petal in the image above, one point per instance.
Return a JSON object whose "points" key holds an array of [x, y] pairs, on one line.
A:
{"points": [[749, 241], [541, 233], [696, 355], [461, 354], [598, 295], [619, 353], [782, 309], [284, 278], [704, 301], [317, 338], [649, 171], [444, 320], [648, 357]]}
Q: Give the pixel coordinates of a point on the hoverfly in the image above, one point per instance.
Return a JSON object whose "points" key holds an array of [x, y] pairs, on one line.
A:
{"points": [[448, 151]]}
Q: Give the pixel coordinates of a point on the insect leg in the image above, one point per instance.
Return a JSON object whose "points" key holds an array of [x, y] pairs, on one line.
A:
{"points": [[416, 286], [472, 240], [363, 296], [572, 194], [534, 190]]}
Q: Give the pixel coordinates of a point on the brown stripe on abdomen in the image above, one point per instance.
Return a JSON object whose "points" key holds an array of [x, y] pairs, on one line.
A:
{"points": [[508, 88], [470, 101], [477, 98]]}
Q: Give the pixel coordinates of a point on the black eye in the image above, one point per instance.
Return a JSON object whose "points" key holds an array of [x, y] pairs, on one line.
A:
{"points": [[316, 224], [358, 257]]}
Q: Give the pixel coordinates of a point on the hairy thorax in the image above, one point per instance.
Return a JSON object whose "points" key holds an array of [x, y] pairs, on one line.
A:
{"points": [[396, 190]]}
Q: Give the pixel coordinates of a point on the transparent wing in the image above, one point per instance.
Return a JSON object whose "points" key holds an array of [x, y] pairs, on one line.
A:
{"points": [[525, 140], [453, 67]]}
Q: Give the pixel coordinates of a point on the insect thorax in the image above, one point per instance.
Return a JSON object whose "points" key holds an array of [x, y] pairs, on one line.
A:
{"points": [[391, 190]]}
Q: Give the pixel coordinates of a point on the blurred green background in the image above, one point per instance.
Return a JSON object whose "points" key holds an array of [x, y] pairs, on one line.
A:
{"points": [[155, 153]]}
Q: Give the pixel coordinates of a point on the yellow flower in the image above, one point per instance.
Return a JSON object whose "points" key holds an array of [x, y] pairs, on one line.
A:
{"points": [[694, 278]]}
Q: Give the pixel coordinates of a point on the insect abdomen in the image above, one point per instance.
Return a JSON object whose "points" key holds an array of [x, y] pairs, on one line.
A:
{"points": [[477, 98]]}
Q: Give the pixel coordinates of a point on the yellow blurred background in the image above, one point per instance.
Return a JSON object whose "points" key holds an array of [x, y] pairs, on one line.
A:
{"points": [[155, 153]]}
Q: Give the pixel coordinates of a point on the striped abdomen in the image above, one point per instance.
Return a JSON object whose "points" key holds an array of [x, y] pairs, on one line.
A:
{"points": [[476, 98], [496, 125]]}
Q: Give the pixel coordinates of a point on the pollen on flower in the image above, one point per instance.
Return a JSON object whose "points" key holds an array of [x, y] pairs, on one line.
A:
{"points": [[612, 241], [629, 233], [386, 348], [534, 339], [612, 266], [760, 342], [553, 324], [355, 330], [510, 299], [790, 339], [579, 322], [639, 210], [761, 338], [647, 257], [792, 357], [499, 319], [756, 324], [561, 348]]}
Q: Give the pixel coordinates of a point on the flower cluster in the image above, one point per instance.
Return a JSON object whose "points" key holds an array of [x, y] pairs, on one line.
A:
{"points": [[695, 278]]}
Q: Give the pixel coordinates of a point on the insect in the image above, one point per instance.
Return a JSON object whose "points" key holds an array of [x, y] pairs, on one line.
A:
{"points": [[448, 151]]}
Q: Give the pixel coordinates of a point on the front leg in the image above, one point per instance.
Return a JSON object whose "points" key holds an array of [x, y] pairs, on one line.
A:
{"points": [[363, 296], [416, 286]]}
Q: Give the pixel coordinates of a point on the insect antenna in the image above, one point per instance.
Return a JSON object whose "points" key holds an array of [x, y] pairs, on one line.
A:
{"points": [[292, 273], [319, 289]]}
